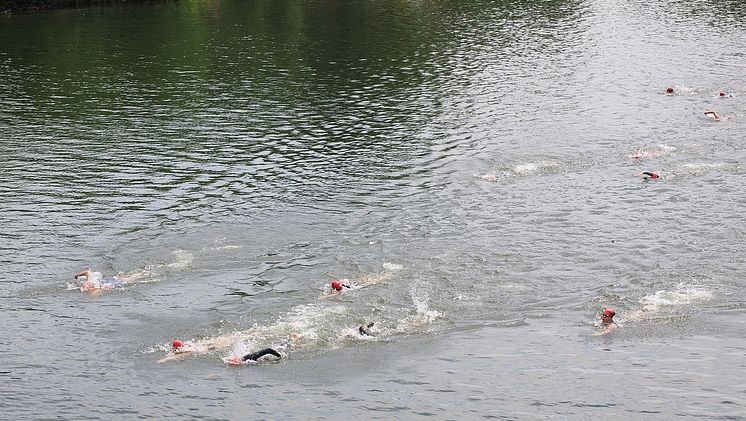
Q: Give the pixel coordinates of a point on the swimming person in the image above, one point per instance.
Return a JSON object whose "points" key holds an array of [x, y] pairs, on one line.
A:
{"points": [[181, 349], [95, 281], [607, 322], [365, 329], [649, 175], [254, 356], [340, 286], [715, 116]]}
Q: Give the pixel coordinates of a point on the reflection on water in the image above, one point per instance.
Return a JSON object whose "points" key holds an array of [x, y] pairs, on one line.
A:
{"points": [[484, 153]]}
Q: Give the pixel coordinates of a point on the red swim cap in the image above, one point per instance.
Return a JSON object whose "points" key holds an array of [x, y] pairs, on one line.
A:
{"points": [[336, 285], [669, 90], [609, 312], [722, 93], [177, 343]]}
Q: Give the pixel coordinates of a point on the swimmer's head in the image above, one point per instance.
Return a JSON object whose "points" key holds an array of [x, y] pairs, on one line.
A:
{"points": [[177, 343], [609, 312], [722, 93], [336, 285], [669, 90]]}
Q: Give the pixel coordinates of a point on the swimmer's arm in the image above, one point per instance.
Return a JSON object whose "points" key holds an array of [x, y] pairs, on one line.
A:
{"points": [[173, 357], [330, 295], [129, 277], [610, 328]]}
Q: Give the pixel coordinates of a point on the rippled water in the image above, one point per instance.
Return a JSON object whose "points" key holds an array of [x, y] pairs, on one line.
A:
{"points": [[476, 156]]}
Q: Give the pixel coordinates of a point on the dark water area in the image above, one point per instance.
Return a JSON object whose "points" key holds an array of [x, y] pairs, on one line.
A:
{"points": [[477, 163]]}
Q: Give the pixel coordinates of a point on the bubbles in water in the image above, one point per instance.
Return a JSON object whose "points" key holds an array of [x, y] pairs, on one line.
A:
{"points": [[392, 266], [702, 168], [182, 260], [530, 168]]}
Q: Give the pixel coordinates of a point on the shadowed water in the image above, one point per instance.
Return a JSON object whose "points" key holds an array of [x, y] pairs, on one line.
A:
{"points": [[478, 158]]}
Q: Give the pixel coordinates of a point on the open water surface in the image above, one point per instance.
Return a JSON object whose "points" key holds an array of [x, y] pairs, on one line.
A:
{"points": [[474, 155]]}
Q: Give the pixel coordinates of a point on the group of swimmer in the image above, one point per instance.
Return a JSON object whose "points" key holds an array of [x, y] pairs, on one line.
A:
{"points": [[712, 114], [181, 348], [641, 153], [96, 283]]}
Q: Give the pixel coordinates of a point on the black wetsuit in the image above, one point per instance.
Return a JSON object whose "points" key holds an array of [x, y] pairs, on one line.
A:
{"points": [[259, 354], [363, 329]]}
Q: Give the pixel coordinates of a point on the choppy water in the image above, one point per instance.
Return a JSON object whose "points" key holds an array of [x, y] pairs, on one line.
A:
{"points": [[478, 154]]}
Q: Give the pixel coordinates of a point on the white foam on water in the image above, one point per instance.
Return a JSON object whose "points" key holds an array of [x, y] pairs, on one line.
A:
{"points": [[392, 266], [423, 316], [182, 260], [684, 294], [530, 168], [702, 168]]}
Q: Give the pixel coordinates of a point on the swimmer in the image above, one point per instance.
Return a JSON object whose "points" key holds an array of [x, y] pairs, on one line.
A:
{"points": [[339, 286], [669, 90], [181, 349], [95, 282], [715, 116], [365, 329], [649, 175], [254, 356], [607, 322]]}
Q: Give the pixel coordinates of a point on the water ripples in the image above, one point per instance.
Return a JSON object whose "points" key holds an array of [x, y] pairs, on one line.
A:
{"points": [[483, 150]]}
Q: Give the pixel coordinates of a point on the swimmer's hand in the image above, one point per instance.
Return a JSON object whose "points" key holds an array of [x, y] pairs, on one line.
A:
{"points": [[234, 360], [610, 328], [330, 295]]}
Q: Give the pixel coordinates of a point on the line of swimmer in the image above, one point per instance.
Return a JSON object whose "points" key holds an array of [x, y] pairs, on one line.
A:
{"points": [[96, 283], [179, 349]]}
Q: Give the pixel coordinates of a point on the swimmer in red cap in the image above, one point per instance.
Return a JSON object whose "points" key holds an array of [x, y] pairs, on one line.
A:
{"points": [[607, 322], [649, 175], [338, 288], [669, 90], [181, 349]]}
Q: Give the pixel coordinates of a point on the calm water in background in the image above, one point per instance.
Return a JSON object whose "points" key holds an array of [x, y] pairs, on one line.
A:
{"points": [[244, 153]]}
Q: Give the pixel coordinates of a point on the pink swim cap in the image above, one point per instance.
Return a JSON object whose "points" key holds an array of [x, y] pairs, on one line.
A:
{"points": [[177, 343], [609, 312], [669, 90], [337, 285]]}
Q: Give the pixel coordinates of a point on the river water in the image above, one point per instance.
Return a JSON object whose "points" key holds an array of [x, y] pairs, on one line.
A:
{"points": [[476, 157]]}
